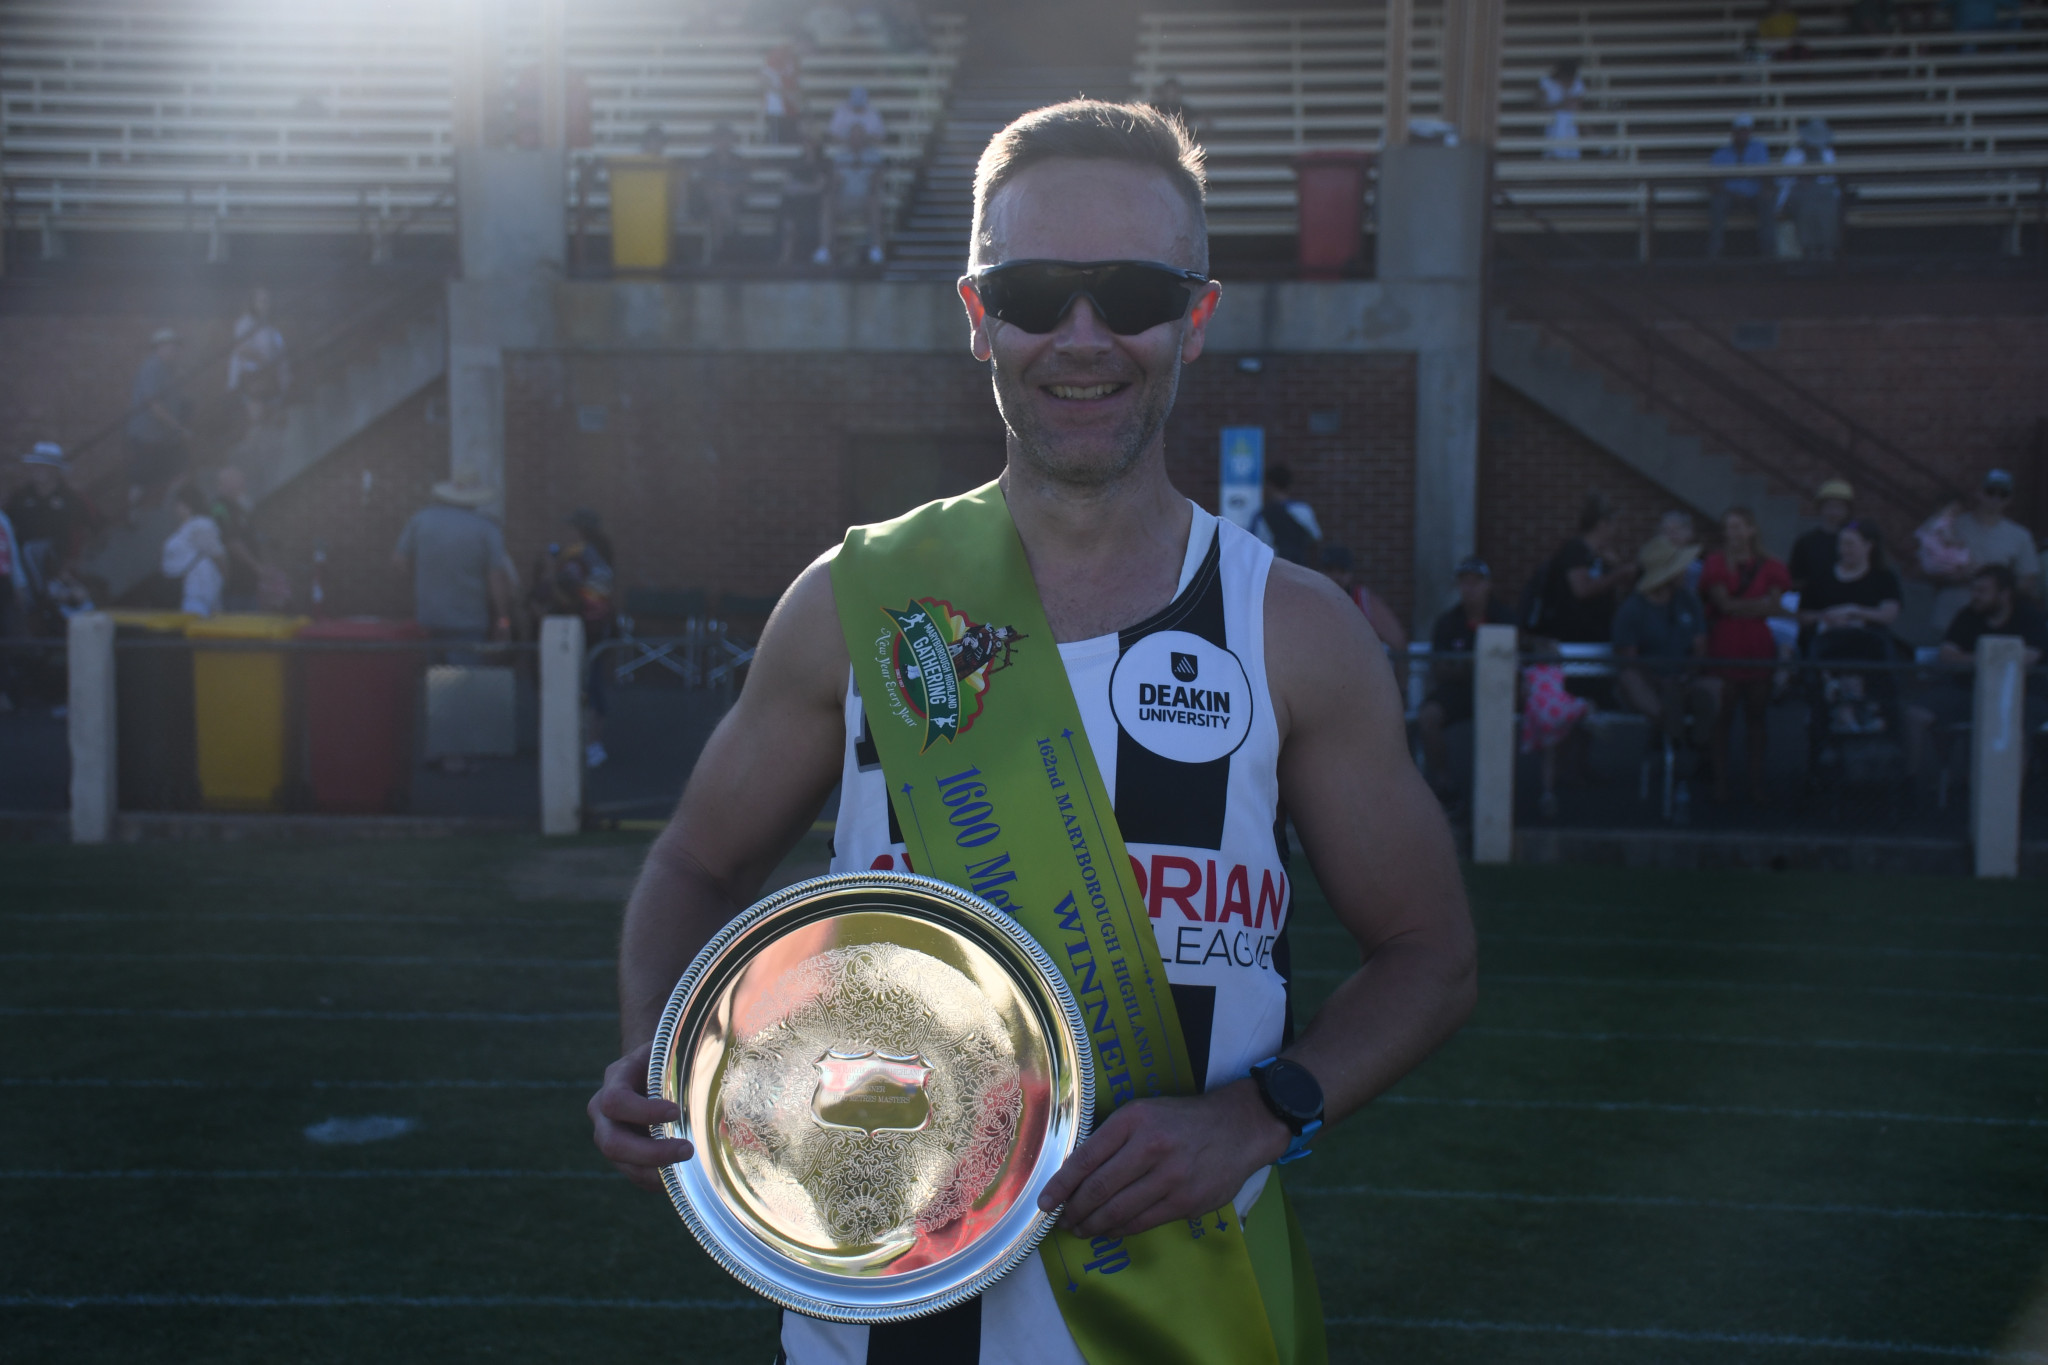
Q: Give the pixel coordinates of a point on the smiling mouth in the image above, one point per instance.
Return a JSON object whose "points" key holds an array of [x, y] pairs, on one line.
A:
{"points": [[1084, 392]]}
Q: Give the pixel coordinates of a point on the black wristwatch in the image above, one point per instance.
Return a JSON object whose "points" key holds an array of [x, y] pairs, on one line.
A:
{"points": [[1296, 1099]]}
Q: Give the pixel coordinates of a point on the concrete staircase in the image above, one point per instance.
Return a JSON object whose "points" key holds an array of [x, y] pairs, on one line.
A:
{"points": [[931, 243], [1707, 480], [409, 353]]}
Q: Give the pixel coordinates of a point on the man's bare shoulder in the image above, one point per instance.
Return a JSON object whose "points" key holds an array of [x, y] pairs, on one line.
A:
{"points": [[802, 652], [1319, 646]]}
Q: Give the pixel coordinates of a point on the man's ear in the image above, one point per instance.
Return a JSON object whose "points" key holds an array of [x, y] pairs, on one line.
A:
{"points": [[1198, 321], [977, 319]]}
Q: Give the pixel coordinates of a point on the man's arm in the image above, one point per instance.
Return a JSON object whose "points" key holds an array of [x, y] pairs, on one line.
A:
{"points": [[758, 785], [1382, 851]]}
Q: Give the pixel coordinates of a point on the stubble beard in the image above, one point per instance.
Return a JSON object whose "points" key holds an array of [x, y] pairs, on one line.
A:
{"points": [[1071, 462]]}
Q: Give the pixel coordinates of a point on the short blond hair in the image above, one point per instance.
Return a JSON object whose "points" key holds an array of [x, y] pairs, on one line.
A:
{"points": [[1094, 130]]}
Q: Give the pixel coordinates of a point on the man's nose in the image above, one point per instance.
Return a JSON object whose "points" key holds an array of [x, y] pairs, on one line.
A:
{"points": [[1082, 329]]}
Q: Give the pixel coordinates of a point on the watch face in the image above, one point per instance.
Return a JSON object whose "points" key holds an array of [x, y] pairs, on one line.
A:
{"points": [[1294, 1090]]}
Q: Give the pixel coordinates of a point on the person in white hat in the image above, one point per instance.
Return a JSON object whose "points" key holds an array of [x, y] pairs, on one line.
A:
{"points": [[1661, 627], [461, 586], [1742, 149]]}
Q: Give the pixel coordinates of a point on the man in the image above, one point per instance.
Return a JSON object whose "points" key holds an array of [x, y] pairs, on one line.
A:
{"points": [[1989, 538], [1085, 369], [157, 415], [1285, 522], [461, 589], [1574, 595], [855, 112], [231, 510], [1816, 201], [49, 518], [1742, 150], [1451, 642], [259, 369], [1679, 527], [1662, 626], [1813, 554], [856, 193], [1995, 608]]}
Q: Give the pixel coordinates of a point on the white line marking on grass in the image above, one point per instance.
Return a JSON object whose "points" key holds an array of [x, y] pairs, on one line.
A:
{"points": [[318, 959], [370, 1301], [393, 1016], [1865, 1346], [369, 1173], [268, 1083], [1652, 983], [1737, 1110], [1648, 1201], [287, 917], [1731, 1040], [1751, 946], [1818, 915]]}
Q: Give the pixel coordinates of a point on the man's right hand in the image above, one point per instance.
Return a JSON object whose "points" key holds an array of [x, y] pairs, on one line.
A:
{"points": [[621, 1113]]}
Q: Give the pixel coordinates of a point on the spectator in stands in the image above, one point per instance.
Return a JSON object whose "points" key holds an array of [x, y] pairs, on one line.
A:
{"points": [[251, 585], [1679, 527], [1813, 554], [1341, 569], [1451, 642], [1815, 200], [1285, 522], [853, 112], [461, 586], [856, 194], [1743, 149], [804, 182], [1743, 588], [782, 96], [1573, 597], [1661, 629], [1562, 92], [51, 520], [158, 437], [194, 555], [1847, 614], [1995, 608], [722, 177], [1170, 102], [579, 579], [1988, 538], [258, 368]]}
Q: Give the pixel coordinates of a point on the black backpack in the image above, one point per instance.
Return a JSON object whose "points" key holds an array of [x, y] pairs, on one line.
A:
{"points": [[1291, 540]]}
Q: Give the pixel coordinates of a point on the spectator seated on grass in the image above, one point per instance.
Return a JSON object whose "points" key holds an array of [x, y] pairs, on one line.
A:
{"points": [[1743, 149], [1451, 642], [1995, 608], [1658, 633]]}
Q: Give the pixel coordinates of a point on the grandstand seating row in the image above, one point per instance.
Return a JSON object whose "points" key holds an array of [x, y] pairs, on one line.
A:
{"points": [[288, 118], [1663, 81]]}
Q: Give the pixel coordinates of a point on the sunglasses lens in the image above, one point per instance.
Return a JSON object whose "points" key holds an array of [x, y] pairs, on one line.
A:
{"points": [[1129, 298]]}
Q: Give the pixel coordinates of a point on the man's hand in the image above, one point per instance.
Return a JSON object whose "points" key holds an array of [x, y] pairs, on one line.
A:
{"points": [[620, 1114], [1155, 1161]]}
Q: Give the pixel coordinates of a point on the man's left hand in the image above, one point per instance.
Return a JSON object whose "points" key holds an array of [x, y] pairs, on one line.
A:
{"points": [[1155, 1161]]}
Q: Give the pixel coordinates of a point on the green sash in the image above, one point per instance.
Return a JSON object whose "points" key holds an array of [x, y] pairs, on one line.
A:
{"points": [[996, 791]]}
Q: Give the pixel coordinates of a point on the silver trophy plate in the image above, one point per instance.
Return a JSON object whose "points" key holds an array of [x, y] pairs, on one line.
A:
{"points": [[880, 1073]]}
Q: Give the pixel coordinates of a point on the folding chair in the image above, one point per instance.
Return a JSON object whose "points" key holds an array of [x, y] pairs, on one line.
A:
{"points": [[681, 607], [733, 655]]}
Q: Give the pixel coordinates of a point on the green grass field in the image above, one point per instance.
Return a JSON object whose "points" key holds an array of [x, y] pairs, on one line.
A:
{"points": [[1697, 1118]]}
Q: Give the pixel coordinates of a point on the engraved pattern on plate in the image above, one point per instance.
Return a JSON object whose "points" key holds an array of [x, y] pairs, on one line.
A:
{"points": [[845, 1187]]}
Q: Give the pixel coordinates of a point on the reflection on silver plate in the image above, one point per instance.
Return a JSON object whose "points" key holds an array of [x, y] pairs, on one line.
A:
{"points": [[880, 1073]]}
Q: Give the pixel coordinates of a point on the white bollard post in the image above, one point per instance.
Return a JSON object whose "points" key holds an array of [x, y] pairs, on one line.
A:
{"points": [[1493, 745], [89, 646], [1998, 761], [561, 725]]}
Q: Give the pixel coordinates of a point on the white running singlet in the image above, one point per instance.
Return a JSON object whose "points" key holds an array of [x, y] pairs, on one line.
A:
{"points": [[1177, 712]]}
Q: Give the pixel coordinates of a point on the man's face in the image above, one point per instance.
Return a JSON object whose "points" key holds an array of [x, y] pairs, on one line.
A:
{"points": [[1083, 403], [1473, 591], [1991, 502], [43, 477], [1985, 595], [1834, 513], [1738, 138]]}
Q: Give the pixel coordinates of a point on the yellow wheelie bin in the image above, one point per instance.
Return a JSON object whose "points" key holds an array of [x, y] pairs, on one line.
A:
{"points": [[242, 711], [644, 192]]}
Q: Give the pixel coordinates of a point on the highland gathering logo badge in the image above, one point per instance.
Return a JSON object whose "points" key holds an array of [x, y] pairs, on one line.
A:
{"points": [[942, 662]]}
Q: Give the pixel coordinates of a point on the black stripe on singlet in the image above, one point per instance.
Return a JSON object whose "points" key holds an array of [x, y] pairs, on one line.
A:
{"points": [[1159, 800], [949, 1338]]}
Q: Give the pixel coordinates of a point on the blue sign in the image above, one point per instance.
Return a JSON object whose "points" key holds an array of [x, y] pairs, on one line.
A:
{"points": [[1244, 474]]}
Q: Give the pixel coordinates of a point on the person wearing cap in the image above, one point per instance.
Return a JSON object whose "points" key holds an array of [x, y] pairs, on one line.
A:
{"points": [[50, 519], [1742, 149], [1813, 554], [1451, 642], [1815, 200], [461, 584], [1657, 632], [1989, 538], [158, 434]]}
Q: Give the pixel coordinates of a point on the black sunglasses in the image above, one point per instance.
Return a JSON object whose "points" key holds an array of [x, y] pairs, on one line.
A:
{"points": [[1129, 296]]}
